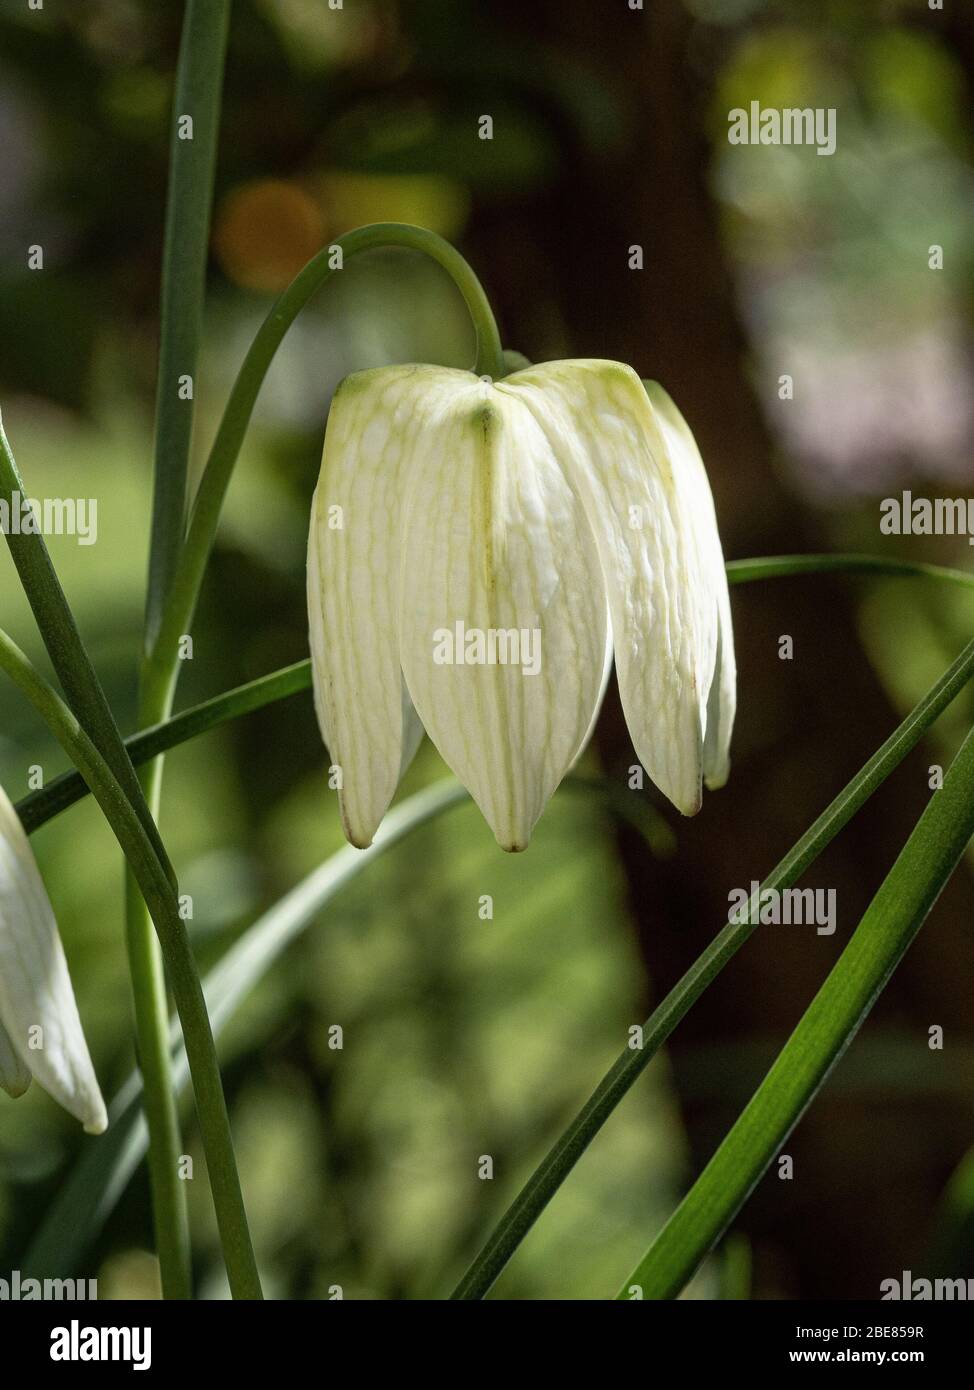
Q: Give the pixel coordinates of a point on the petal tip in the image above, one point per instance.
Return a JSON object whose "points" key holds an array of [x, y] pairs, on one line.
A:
{"points": [[356, 836], [689, 805], [14, 1087], [358, 828], [512, 838], [512, 832]]}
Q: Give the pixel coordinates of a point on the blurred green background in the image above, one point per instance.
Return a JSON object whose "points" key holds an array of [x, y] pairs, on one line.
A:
{"points": [[463, 1036]]}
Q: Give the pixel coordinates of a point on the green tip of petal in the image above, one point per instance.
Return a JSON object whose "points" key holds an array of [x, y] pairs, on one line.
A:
{"points": [[715, 780], [514, 846], [356, 836], [15, 1088]]}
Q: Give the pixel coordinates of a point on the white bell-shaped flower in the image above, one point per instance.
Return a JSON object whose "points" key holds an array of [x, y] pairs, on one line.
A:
{"points": [[40, 1031], [478, 552]]}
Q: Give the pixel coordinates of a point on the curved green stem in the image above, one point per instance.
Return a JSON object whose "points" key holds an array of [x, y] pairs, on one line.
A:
{"points": [[163, 904], [831, 1021], [562, 1157], [782, 566], [161, 665]]}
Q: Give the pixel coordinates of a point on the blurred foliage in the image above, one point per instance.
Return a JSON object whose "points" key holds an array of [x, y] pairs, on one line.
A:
{"points": [[461, 1036]]}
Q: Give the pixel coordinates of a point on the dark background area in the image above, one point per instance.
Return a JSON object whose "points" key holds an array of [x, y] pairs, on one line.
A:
{"points": [[465, 1037]]}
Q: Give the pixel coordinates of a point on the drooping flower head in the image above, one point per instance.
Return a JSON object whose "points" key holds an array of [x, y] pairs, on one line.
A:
{"points": [[479, 551], [40, 1031]]}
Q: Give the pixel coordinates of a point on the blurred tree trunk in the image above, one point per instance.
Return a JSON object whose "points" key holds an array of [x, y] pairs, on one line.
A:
{"points": [[869, 1166]]}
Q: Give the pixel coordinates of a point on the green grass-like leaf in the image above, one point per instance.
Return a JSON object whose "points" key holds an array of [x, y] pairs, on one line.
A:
{"points": [[565, 1153], [835, 1015]]}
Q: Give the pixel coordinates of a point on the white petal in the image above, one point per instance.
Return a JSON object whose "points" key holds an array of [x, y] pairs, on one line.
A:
{"points": [[722, 698], [37, 1006], [644, 509], [495, 540], [353, 590], [603, 687]]}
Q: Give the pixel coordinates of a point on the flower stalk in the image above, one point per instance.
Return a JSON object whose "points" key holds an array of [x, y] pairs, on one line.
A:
{"points": [[195, 122]]}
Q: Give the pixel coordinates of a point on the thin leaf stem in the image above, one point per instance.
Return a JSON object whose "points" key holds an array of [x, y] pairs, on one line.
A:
{"points": [[192, 164], [195, 122], [61, 792], [784, 566]]}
